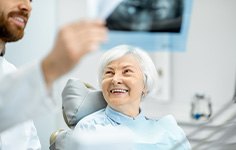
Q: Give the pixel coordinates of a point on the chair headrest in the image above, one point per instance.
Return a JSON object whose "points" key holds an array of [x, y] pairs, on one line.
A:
{"points": [[79, 100]]}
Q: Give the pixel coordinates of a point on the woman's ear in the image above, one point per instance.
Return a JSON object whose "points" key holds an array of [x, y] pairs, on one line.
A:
{"points": [[144, 91]]}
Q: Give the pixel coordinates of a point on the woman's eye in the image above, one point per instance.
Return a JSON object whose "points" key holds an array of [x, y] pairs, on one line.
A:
{"points": [[127, 71], [108, 72]]}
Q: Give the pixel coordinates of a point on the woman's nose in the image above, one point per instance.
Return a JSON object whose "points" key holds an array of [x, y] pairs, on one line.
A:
{"points": [[117, 79]]}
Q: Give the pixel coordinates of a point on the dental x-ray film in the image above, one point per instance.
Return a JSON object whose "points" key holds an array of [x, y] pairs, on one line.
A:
{"points": [[154, 25], [147, 15]]}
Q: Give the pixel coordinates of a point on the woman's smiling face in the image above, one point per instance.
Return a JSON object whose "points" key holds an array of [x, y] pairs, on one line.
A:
{"points": [[123, 84]]}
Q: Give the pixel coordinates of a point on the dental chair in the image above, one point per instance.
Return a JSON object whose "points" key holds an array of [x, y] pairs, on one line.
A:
{"points": [[78, 100]]}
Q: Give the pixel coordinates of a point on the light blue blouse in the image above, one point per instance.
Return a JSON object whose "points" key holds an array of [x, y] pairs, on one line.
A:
{"points": [[149, 134]]}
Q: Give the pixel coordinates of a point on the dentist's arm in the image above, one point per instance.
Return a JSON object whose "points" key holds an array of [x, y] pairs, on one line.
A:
{"points": [[25, 93], [72, 43]]}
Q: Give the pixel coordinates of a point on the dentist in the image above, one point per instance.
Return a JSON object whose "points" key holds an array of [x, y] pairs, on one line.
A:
{"points": [[26, 92]]}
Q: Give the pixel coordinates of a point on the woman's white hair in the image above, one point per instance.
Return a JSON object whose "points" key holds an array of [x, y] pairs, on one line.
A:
{"points": [[147, 66]]}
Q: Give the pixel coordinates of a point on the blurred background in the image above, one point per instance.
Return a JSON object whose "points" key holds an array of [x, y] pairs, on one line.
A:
{"points": [[206, 68]]}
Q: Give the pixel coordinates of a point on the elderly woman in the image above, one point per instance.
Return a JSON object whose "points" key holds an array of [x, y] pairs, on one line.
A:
{"points": [[126, 75]]}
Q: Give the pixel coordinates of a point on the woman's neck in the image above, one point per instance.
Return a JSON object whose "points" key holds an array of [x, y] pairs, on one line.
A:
{"points": [[129, 111]]}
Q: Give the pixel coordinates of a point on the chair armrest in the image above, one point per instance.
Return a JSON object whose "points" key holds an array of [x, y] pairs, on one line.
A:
{"points": [[53, 138]]}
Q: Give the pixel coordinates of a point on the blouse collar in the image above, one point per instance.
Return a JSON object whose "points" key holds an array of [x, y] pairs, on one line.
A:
{"points": [[121, 118]]}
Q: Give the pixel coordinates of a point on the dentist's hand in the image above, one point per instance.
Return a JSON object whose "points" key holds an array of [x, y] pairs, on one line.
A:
{"points": [[72, 43]]}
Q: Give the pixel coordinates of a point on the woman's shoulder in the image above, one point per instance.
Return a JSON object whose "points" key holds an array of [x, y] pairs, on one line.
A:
{"points": [[169, 125], [92, 121], [167, 122], [168, 119], [98, 115]]}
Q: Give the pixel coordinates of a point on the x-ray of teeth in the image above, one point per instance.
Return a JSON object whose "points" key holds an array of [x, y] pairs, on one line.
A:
{"points": [[147, 15]]}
